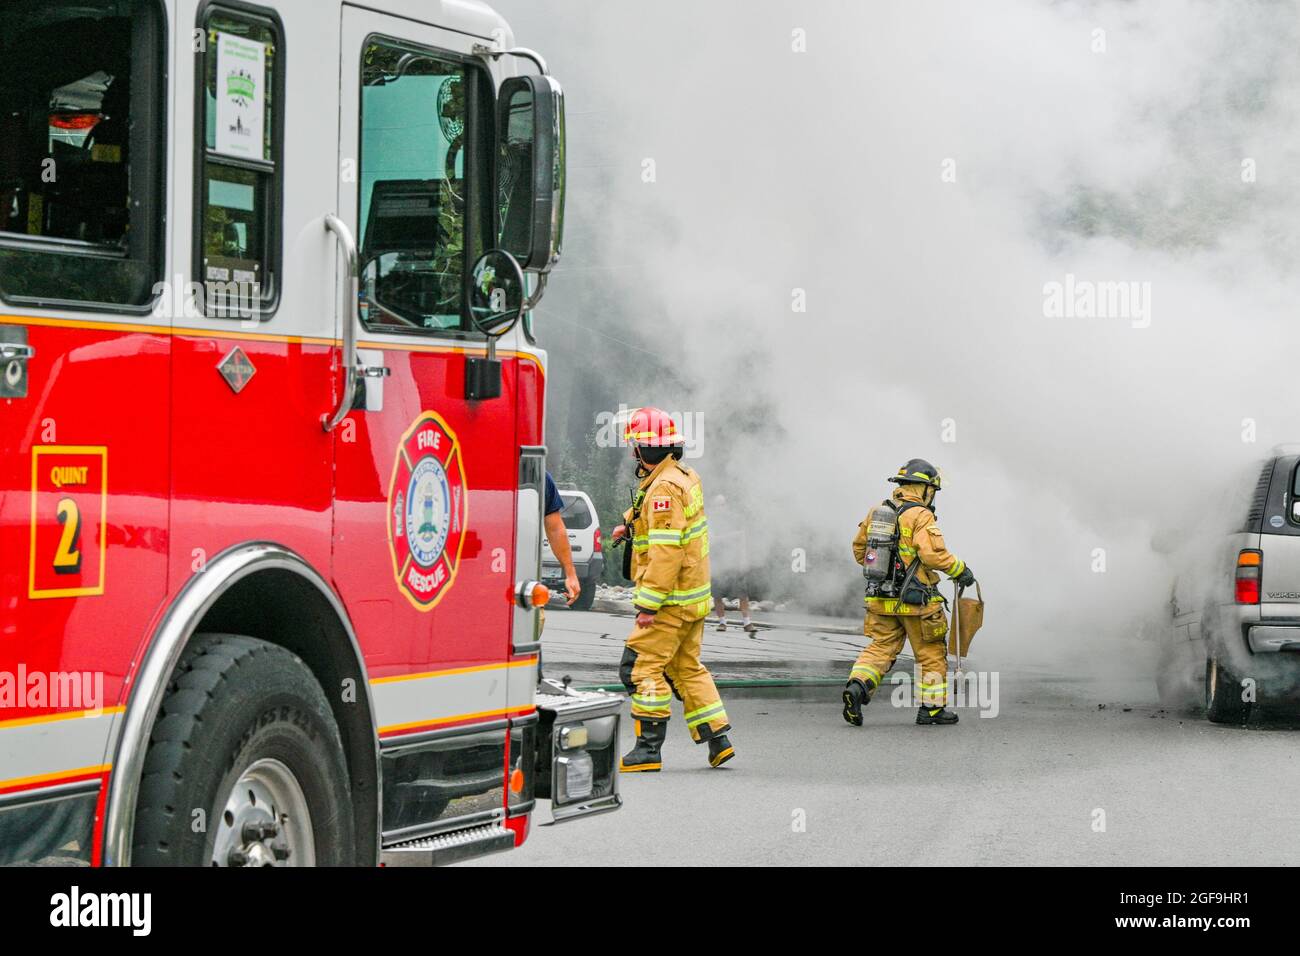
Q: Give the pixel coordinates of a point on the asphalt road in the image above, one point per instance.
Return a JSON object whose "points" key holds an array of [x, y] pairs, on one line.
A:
{"points": [[587, 645], [1029, 786]]}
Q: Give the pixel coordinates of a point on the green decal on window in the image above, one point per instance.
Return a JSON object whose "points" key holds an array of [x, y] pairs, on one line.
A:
{"points": [[231, 195]]}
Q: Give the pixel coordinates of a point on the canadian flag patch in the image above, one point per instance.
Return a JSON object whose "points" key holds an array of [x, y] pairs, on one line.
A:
{"points": [[660, 504]]}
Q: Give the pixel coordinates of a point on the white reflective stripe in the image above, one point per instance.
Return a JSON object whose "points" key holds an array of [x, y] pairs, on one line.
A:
{"points": [[412, 702], [521, 685], [43, 750], [706, 715]]}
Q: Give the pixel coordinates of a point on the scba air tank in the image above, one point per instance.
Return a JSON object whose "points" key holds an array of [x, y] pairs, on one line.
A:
{"points": [[882, 539]]}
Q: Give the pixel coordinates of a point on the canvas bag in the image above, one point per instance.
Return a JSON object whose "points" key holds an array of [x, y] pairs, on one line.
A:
{"points": [[970, 618]]}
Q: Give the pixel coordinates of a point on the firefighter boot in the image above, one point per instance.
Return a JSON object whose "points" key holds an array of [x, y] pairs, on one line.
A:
{"points": [[720, 750], [857, 694], [935, 715], [644, 756]]}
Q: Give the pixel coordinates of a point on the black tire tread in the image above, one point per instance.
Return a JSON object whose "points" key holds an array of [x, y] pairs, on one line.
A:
{"points": [[1227, 707], [209, 665], [586, 596]]}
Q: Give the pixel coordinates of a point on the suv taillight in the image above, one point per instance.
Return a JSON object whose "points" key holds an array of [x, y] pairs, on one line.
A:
{"points": [[1247, 578], [595, 545]]}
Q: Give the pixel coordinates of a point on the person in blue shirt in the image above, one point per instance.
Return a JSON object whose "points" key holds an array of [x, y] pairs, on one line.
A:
{"points": [[558, 537]]}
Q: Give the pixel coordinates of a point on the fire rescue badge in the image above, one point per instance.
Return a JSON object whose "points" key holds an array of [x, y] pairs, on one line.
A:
{"points": [[427, 511]]}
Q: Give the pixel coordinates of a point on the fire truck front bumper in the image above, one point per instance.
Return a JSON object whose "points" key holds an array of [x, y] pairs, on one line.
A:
{"points": [[577, 744]]}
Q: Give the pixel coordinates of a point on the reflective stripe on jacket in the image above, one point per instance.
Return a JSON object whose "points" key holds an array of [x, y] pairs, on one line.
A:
{"points": [[670, 542]]}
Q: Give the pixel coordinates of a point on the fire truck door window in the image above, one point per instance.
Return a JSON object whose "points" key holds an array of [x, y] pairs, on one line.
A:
{"points": [[81, 148], [422, 186], [238, 199]]}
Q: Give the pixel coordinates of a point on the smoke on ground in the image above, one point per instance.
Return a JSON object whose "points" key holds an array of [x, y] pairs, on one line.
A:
{"points": [[917, 177]]}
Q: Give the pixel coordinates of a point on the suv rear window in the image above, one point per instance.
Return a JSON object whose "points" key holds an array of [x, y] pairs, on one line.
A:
{"points": [[81, 147], [576, 514]]}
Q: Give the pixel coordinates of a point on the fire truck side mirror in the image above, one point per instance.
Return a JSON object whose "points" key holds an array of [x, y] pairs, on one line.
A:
{"points": [[496, 293], [496, 303], [530, 170]]}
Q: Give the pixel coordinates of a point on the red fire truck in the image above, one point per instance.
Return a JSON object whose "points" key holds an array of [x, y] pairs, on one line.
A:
{"points": [[271, 436]]}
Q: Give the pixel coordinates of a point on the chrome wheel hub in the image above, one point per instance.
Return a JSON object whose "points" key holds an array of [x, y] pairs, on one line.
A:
{"points": [[264, 821]]}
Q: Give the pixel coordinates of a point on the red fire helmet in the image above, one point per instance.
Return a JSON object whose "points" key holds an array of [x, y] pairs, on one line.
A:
{"points": [[652, 428]]}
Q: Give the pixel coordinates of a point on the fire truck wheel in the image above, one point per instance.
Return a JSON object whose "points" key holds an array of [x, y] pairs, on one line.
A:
{"points": [[245, 765]]}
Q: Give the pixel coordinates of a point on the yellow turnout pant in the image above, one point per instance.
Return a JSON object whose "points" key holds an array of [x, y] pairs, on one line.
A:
{"points": [[664, 659], [926, 633]]}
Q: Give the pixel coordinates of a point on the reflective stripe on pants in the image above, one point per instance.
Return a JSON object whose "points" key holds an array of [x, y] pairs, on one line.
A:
{"points": [[928, 637], [665, 657]]}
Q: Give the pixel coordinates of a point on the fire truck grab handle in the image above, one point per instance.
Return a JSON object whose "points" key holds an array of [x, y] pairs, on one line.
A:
{"points": [[482, 49], [9, 350], [348, 317]]}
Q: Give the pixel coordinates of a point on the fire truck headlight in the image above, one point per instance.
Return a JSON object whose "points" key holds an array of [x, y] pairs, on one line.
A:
{"points": [[574, 737], [576, 775]]}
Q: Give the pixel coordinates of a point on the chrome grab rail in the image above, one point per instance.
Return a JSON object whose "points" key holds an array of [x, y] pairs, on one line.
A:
{"points": [[349, 318]]}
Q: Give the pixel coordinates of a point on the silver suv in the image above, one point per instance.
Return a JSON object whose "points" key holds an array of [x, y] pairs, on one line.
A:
{"points": [[583, 527], [1236, 615]]}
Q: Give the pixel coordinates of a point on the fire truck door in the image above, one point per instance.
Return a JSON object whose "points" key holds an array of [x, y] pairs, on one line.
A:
{"points": [[424, 510]]}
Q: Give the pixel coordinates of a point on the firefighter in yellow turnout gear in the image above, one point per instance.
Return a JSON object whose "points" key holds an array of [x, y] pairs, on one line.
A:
{"points": [[670, 567], [920, 619]]}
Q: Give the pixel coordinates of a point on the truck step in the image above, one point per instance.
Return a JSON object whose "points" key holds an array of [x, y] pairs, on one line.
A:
{"points": [[451, 847]]}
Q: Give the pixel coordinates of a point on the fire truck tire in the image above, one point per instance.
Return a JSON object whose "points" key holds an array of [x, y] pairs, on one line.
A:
{"points": [[245, 764]]}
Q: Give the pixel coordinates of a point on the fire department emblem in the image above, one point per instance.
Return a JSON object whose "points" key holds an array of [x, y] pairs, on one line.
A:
{"points": [[427, 511]]}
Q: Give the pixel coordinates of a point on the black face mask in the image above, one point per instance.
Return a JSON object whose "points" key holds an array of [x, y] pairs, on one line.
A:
{"points": [[642, 469]]}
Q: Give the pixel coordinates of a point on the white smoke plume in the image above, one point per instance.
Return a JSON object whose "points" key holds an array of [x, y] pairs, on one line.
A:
{"points": [[923, 172]]}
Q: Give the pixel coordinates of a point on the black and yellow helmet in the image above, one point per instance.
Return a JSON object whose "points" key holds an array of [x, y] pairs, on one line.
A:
{"points": [[918, 471]]}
